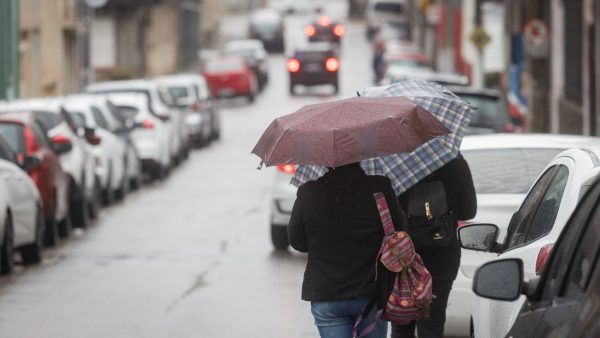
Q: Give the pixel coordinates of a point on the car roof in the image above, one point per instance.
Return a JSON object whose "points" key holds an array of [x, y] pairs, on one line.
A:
{"points": [[243, 44], [181, 79], [137, 84], [49, 104], [140, 101], [17, 116], [266, 14], [546, 141]]}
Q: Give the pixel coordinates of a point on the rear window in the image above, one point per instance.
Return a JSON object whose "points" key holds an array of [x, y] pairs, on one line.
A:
{"points": [[178, 91], [507, 171], [311, 55], [389, 7], [48, 120], [490, 109], [13, 133], [128, 111], [222, 67], [78, 119]]}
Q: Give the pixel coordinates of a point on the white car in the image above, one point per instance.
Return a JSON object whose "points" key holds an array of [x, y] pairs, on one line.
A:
{"points": [[283, 196], [297, 6], [160, 105], [380, 12], [151, 135], [535, 227], [504, 166], [191, 92], [78, 163], [21, 215], [110, 152]]}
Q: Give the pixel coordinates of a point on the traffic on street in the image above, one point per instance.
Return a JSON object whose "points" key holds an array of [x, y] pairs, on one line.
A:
{"points": [[214, 168]]}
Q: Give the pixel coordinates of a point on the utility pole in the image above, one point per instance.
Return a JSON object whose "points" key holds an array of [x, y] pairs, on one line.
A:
{"points": [[537, 66], [479, 77]]}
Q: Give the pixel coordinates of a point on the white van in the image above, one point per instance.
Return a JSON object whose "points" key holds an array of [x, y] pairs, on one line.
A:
{"points": [[379, 12]]}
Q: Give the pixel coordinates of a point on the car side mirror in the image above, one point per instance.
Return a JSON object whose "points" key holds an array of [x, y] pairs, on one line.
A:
{"points": [[479, 237], [61, 144], [499, 280], [30, 162]]}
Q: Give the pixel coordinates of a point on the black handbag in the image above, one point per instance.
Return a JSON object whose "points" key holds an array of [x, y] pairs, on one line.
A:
{"points": [[430, 222]]}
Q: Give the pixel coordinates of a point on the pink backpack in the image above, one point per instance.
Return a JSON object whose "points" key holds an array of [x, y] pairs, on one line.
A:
{"points": [[411, 295]]}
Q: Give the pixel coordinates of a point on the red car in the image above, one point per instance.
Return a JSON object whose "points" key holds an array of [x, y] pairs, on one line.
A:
{"points": [[26, 136], [229, 77]]}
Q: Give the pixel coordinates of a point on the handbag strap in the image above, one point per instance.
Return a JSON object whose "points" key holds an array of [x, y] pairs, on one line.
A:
{"points": [[384, 213]]}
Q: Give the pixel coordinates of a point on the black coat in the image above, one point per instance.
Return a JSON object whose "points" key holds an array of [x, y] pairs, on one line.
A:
{"points": [[443, 263], [336, 221]]}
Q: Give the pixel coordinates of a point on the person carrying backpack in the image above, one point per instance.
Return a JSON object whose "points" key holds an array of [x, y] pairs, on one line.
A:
{"points": [[336, 220], [433, 207]]}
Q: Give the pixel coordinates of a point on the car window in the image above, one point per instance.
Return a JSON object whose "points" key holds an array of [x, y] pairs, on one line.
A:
{"points": [[178, 91], [6, 153], [567, 243], [224, 66], [129, 111], [78, 119], [507, 171], [48, 120], [548, 208], [519, 224], [13, 134], [99, 118], [489, 109], [40, 134]]}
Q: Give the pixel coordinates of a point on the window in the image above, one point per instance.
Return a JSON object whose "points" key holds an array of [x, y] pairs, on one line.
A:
{"points": [[567, 243], [586, 256], [13, 134], [40, 135], [517, 230], [548, 208], [6, 153], [99, 118]]}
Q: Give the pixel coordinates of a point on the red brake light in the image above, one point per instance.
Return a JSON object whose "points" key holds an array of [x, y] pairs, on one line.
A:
{"points": [[287, 168], [94, 139], [338, 30], [60, 138], [542, 258], [310, 30], [332, 64], [148, 124], [324, 21], [293, 65]]}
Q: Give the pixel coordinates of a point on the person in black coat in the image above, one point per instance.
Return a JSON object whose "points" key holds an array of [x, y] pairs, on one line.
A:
{"points": [[336, 221], [443, 263]]}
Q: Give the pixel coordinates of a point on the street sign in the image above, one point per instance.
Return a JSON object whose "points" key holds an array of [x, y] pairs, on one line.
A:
{"points": [[535, 36], [479, 38]]}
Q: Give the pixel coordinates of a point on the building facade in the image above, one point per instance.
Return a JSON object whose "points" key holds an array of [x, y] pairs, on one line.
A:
{"points": [[9, 49]]}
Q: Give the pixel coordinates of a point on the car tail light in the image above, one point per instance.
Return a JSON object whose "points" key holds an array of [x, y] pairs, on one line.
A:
{"points": [[94, 139], [293, 65], [310, 30], [60, 138], [148, 124], [324, 21], [338, 30], [542, 258], [332, 64], [287, 168]]}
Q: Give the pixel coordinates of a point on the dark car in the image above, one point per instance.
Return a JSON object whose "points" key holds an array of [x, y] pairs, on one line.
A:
{"points": [[27, 137], [492, 113], [315, 64], [563, 301], [324, 30], [267, 26]]}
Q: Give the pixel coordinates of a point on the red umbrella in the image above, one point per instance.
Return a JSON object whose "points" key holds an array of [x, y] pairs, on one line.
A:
{"points": [[344, 131]]}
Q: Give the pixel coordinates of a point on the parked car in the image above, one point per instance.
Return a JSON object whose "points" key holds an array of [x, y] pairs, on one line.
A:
{"points": [[314, 64], [40, 155], [78, 163], [255, 55], [21, 214], [324, 29], [160, 105], [397, 66], [110, 152], [536, 225], [268, 26], [230, 77], [563, 300], [388, 33], [381, 12], [295, 6], [283, 196], [151, 135], [491, 115], [504, 166], [191, 92]]}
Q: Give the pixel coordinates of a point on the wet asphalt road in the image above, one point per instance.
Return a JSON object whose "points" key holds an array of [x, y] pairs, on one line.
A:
{"points": [[190, 256]]}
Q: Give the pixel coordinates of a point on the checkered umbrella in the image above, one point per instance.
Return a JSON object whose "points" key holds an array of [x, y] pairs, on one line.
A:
{"points": [[406, 169]]}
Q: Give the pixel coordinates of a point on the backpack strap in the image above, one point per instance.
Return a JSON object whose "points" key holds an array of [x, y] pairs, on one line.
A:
{"points": [[384, 213], [364, 314]]}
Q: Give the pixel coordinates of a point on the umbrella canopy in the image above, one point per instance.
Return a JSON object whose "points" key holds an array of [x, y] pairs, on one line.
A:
{"points": [[339, 132], [405, 169]]}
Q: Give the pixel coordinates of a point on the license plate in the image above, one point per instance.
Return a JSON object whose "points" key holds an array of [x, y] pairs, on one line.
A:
{"points": [[313, 67]]}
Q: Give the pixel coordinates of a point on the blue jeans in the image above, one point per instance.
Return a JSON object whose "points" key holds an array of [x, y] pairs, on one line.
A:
{"points": [[336, 319]]}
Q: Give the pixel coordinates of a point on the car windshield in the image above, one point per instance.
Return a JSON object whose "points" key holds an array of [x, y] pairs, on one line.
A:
{"points": [[78, 118], [389, 7], [489, 110], [224, 66], [310, 55], [13, 133], [128, 111], [178, 91], [266, 26], [509, 170]]}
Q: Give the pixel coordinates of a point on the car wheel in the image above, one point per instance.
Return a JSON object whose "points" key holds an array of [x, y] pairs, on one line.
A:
{"points": [[137, 181], [32, 253], [108, 196], [279, 237], [6, 252], [79, 216], [51, 233], [95, 203], [123, 188], [65, 227]]}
